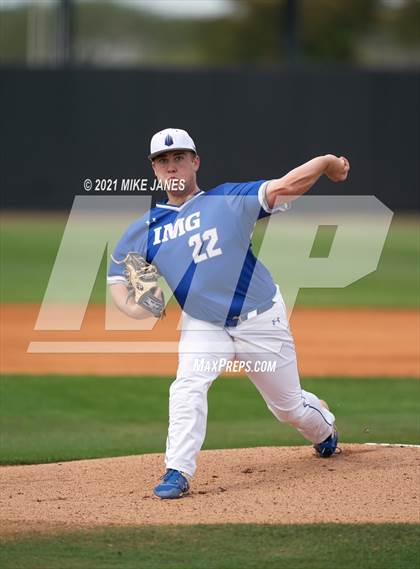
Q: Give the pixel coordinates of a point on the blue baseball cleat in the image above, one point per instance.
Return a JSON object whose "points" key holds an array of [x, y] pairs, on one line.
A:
{"points": [[329, 446], [173, 485]]}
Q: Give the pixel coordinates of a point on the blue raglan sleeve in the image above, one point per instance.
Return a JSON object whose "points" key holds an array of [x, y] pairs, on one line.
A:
{"points": [[134, 239], [251, 198]]}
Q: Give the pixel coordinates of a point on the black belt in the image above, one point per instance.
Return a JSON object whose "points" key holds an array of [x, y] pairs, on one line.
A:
{"points": [[235, 320]]}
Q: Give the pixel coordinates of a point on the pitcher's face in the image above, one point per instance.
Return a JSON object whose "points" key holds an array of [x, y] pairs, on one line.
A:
{"points": [[177, 166]]}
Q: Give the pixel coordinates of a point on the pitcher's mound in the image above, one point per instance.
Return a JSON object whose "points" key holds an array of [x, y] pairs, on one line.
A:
{"points": [[275, 485]]}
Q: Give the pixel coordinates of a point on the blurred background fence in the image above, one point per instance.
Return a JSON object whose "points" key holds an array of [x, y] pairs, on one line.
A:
{"points": [[75, 124], [262, 85]]}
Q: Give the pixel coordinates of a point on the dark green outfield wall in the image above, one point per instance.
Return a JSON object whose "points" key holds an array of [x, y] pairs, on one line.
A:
{"points": [[60, 127]]}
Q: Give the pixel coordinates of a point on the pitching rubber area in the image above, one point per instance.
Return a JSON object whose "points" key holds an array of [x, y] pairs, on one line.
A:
{"points": [[373, 483]]}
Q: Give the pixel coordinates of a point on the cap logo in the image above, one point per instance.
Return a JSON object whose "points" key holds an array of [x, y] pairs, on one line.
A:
{"points": [[169, 140]]}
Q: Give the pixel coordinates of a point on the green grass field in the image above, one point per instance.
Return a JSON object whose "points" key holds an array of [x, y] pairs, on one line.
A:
{"points": [[29, 248], [47, 419], [324, 546]]}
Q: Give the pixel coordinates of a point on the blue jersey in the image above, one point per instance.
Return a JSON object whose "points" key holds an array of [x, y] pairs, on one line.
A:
{"points": [[202, 248]]}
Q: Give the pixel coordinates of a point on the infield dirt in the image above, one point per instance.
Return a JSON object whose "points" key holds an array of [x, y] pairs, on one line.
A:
{"points": [[329, 341]]}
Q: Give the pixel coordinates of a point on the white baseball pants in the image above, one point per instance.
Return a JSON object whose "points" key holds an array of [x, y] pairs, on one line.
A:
{"points": [[264, 338]]}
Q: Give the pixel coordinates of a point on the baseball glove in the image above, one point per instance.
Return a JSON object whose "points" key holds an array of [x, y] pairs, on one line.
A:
{"points": [[142, 279]]}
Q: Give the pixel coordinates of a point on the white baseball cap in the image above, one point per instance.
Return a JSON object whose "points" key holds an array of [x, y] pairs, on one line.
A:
{"points": [[170, 139]]}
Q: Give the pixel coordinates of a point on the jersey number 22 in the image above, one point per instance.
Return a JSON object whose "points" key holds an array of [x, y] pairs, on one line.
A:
{"points": [[197, 241]]}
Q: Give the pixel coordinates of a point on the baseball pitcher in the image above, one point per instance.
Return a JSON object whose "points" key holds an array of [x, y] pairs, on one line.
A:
{"points": [[200, 242]]}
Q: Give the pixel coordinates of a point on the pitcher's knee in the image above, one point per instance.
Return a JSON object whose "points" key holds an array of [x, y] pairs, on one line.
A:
{"points": [[291, 415]]}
